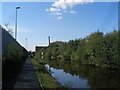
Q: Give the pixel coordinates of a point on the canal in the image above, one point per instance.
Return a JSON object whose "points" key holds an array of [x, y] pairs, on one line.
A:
{"points": [[75, 75]]}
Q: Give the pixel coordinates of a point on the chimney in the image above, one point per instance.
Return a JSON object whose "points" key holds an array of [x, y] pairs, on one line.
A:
{"points": [[49, 40]]}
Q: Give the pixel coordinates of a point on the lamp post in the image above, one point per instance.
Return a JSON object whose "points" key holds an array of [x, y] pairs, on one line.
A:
{"points": [[16, 23]]}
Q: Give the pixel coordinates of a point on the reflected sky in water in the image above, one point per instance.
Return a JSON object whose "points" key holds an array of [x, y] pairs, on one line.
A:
{"points": [[75, 75], [64, 78]]}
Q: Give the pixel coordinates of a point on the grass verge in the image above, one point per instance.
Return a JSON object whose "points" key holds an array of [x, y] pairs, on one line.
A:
{"points": [[45, 78]]}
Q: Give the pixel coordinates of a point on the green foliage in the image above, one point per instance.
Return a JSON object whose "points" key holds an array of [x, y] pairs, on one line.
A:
{"points": [[97, 49], [15, 55], [14, 52], [43, 75], [38, 54]]}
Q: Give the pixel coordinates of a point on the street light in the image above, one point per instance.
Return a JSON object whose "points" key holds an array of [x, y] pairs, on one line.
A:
{"points": [[16, 23]]}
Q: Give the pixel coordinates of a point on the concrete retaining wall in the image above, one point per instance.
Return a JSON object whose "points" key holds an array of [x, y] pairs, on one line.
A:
{"points": [[0, 41], [7, 41]]}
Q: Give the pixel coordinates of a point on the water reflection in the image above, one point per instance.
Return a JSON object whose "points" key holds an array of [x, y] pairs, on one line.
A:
{"points": [[76, 75]]}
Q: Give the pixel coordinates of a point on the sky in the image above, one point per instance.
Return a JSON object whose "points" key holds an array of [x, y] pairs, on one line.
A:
{"points": [[60, 21]]}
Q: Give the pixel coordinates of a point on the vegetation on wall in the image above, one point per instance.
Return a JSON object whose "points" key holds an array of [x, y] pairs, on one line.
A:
{"points": [[97, 49], [12, 60], [15, 55], [14, 51]]}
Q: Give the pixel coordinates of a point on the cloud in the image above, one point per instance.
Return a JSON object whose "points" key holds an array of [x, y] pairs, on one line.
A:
{"points": [[53, 9], [73, 12], [64, 4], [59, 18], [60, 6], [57, 13]]}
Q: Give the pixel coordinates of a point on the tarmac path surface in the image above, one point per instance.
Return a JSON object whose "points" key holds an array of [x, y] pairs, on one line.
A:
{"points": [[27, 78]]}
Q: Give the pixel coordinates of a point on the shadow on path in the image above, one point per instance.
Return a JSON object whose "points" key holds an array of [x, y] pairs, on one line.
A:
{"points": [[27, 78]]}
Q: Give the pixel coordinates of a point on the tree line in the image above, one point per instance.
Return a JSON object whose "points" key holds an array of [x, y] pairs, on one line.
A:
{"points": [[96, 49]]}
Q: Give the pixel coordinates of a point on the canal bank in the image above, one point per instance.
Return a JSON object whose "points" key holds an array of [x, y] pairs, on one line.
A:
{"points": [[46, 80]]}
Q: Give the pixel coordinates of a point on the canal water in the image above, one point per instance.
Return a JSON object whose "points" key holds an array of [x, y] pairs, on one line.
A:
{"points": [[75, 75]]}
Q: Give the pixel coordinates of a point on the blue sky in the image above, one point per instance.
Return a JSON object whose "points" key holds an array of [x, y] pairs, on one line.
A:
{"points": [[36, 23]]}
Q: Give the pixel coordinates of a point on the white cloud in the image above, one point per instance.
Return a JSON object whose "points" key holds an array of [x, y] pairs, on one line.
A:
{"points": [[64, 4], [53, 9], [73, 12], [58, 14], [59, 18], [61, 6]]}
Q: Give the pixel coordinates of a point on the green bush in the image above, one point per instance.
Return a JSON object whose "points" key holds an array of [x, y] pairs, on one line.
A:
{"points": [[96, 49]]}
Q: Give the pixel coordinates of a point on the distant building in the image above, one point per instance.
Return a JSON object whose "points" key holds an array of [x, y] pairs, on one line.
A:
{"points": [[42, 48], [38, 48]]}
